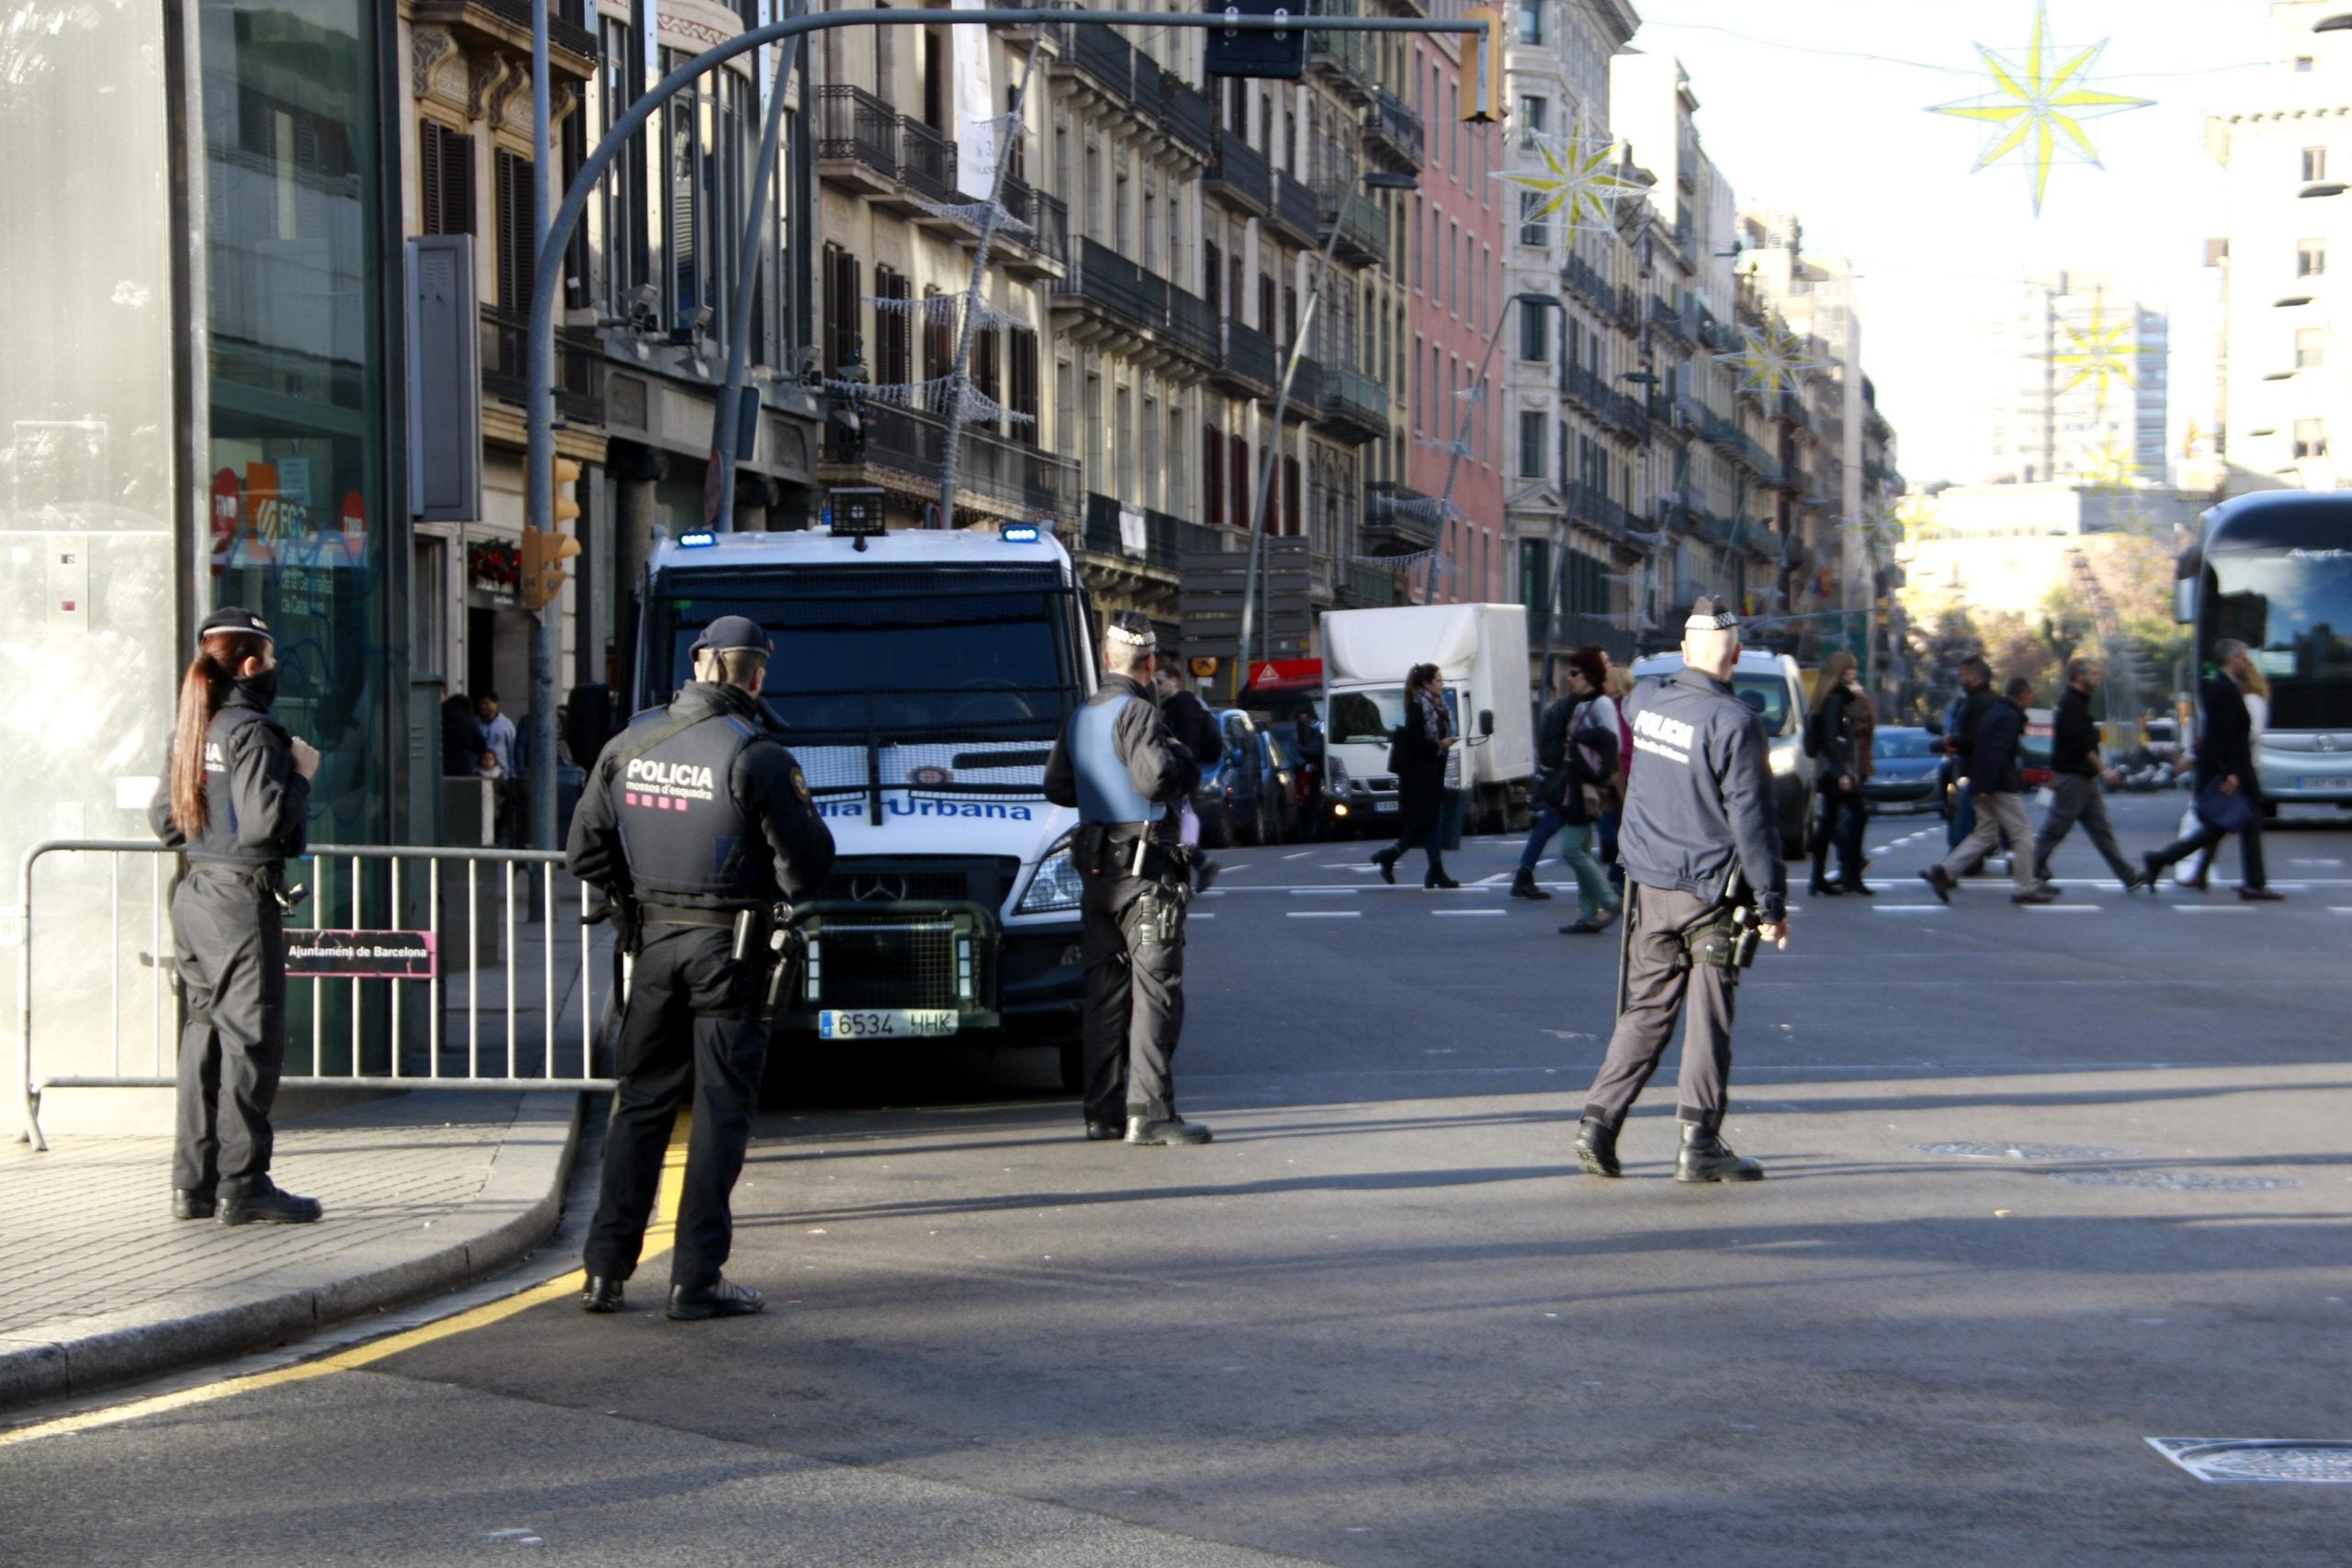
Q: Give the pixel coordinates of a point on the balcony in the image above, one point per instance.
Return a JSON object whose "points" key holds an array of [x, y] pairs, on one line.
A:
{"points": [[1296, 214], [927, 161], [1167, 538], [1716, 337], [1397, 520], [1364, 228], [1592, 508], [857, 141], [1246, 362], [579, 366], [1629, 417], [1099, 53], [1356, 586], [1193, 323], [1678, 322], [1585, 388], [1392, 132], [1585, 281], [1116, 297], [1186, 112], [905, 449], [1343, 60], [1305, 390], [1239, 174], [1044, 251], [1355, 405]]}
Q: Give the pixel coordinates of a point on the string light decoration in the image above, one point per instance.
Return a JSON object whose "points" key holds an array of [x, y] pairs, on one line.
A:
{"points": [[2040, 102]]}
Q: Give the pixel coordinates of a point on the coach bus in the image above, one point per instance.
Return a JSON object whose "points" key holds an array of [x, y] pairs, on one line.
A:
{"points": [[2274, 571]]}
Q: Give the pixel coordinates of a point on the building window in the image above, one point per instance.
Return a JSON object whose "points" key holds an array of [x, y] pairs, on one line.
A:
{"points": [[1532, 439], [2311, 438], [1022, 356], [2310, 258], [2314, 163], [621, 69], [2310, 347], [1211, 476], [893, 330], [841, 309], [444, 177], [517, 230], [1530, 21], [1534, 343], [939, 323], [1531, 113]]}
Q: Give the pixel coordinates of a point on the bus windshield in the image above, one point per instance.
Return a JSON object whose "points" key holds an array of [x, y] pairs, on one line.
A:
{"points": [[2292, 608]]}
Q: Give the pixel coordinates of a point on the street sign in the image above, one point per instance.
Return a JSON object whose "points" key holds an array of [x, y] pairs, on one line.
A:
{"points": [[1205, 668]]}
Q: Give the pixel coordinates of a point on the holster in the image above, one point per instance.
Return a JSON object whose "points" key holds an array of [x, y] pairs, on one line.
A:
{"points": [[1156, 919]]}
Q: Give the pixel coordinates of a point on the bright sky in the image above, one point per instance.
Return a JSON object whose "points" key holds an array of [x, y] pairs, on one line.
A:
{"points": [[1798, 123]]}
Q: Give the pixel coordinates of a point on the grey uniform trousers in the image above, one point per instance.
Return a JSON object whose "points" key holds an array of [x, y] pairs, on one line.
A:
{"points": [[2076, 797], [232, 941], [1135, 1006], [1657, 920]]}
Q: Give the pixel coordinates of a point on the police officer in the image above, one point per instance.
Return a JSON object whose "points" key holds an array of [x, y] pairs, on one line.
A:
{"points": [[236, 797], [1701, 848], [1118, 763], [698, 825]]}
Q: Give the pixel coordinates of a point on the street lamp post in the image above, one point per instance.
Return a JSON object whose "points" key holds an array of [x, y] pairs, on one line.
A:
{"points": [[1373, 180]]}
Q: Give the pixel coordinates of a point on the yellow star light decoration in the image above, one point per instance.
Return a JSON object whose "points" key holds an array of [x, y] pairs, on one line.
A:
{"points": [[2040, 106], [2112, 469], [1770, 361], [1577, 179], [2099, 355]]}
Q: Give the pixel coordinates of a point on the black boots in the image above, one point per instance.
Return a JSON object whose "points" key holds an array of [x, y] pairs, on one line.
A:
{"points": [[721, 1298], [1597, 1147], [1706, 1157], [1102, 1132], [272, 1205], [1386, 861], [602, 1294], [189, 1206], [1939, 880], [1523, 886], [1175, 1130]]}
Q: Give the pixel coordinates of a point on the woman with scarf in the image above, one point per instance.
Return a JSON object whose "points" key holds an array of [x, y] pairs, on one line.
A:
{"points": [[1417, 756]]}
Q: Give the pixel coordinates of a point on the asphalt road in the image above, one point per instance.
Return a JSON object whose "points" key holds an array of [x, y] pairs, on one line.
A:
{"points": [[2045, 1184]]}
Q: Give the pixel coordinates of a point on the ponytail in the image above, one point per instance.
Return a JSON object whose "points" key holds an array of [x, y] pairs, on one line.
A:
{"points": [[202, 690]]}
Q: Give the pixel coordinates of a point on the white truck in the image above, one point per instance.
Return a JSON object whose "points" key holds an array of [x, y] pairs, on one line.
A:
{"points": [[1482, 649], [920, 679]]}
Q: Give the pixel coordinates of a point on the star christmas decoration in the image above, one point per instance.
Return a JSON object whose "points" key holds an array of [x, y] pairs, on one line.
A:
{"points": [[2099, 354], [1770, 360], [2112, 469], [1577, 180], [2040, 103]]}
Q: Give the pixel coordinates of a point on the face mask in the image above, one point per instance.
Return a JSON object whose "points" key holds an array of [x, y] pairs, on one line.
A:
{"points": [[261, 688]]}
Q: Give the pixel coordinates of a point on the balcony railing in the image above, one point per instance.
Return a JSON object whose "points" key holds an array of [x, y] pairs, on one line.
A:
{"points": [[1586, 280], [1360, 587], [1352, 397], [1391, 519], [1305, 390], [1364, 228], [1674, 321], [1186, 112], [855, 126], [1394, 129], [1240, 173], [1596, 510], [579, 366], [1193, 322], [1047, 219], [1140, 299], [1098, 50], [927, 161], [1026, 479], [1247, 359], [1344, 59], [1167, 538], [1586, 388], [1295, 209]]}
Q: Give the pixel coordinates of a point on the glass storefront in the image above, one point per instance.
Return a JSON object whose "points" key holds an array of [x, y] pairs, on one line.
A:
{"points": [[297, 378]]}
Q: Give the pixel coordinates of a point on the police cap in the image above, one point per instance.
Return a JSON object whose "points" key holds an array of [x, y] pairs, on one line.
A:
{"points": [[1130, 630], [1711, 613], [232, 618], [729, 633]]}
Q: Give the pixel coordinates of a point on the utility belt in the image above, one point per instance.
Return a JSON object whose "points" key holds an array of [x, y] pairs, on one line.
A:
{"points": [[269, 879], [766, 936], [1129, 849], [1728, 942]]}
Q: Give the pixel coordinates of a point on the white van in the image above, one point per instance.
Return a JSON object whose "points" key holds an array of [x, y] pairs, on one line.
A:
{"points": [[920, 679], [1482, 649]]}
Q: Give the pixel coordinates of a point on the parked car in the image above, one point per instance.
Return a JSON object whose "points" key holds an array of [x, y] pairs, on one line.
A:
{"points": [[1908, 770], [1771, 684], [1241, 800]]}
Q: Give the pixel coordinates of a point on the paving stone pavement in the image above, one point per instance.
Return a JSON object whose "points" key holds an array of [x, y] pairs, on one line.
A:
{"points": [[99, 1283]]}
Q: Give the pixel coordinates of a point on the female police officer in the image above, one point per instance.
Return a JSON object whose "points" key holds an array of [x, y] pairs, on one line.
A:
{"points": [[235, 796]]}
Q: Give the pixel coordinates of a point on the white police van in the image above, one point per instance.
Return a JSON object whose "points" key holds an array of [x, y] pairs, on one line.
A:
{"points": [[920, 678]]}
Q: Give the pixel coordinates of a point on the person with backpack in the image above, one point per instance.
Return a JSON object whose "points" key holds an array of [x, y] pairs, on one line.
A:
{"points": [[1832, 734], [1578, 752]]}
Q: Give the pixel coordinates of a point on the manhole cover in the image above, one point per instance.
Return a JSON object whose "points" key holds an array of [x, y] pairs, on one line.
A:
{"points": [[2021, 1151], [2276, 1460], [2170, 1180]]}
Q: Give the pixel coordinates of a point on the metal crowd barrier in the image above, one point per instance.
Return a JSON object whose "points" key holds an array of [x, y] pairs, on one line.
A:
{"points": [[450, 1041]]}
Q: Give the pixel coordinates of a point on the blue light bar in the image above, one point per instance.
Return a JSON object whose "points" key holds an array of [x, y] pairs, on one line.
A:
{"points": [[1020, 533], [697, 540]]}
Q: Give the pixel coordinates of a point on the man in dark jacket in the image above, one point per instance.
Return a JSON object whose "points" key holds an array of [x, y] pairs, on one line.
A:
{"points": [[1976, 699], [2225, 760], [1187, 717], [2079, 779], [2000, 806]]}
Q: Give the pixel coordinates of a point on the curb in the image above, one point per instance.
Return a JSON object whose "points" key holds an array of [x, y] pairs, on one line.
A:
{"points": [[515, 1210]]}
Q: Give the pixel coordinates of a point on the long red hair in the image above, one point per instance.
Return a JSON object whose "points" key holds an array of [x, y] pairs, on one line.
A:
{"points": [[202, 690]]}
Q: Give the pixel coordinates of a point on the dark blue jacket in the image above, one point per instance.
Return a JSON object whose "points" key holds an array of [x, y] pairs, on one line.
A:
{"points": [[1699, 798], [1993, 761], [2227, 748]]}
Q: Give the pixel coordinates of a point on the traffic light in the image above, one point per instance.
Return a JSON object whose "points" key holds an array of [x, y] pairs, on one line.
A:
{"points": [[1482, 68], [566, 506], [1280, 55]]}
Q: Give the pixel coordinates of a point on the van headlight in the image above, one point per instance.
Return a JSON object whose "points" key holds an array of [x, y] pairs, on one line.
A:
{"points": [[1057, 885], [1784, 759]]}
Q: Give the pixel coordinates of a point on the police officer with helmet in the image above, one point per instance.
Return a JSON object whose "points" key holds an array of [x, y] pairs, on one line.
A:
{"points": [[1121, 765], [236, 797], [1700, 843], [699, 827]]}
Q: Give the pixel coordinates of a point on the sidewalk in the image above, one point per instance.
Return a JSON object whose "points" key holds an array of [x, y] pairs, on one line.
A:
{"points": [[424, 1190]]}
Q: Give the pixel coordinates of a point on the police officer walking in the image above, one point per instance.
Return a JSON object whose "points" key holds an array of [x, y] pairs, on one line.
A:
{"points": [[1118, 763], [1701, 848], [698, 825], [236, 797]]}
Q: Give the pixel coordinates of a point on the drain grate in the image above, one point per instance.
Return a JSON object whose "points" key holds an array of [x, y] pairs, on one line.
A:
{"points": [[2021, 1151], [2171, 1180], [2276, 1460]]}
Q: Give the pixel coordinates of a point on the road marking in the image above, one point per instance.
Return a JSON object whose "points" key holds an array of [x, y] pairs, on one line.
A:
{"points": [[1468, 914], [1325, 914], [1348, 865], [2212, 908], [1906, 908], [2340, 908], [2315, 862], [1193, 916], [1490, 881], [1300, 855], [660, 1232], [1323, 892], [2062, 908]]}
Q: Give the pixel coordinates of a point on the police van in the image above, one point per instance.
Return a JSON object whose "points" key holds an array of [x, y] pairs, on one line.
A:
{"points": [[920, 679]]}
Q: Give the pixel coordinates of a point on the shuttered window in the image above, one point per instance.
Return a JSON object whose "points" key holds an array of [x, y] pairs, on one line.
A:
{"points": [[518, 233], [842, 308], [1211, 476], [444, 169]]}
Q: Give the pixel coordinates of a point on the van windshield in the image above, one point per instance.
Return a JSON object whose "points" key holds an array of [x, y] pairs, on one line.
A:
{"points": [[1769, 695], [1372, 717]]}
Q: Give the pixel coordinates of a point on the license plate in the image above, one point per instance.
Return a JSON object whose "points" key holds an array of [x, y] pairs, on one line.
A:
{"points": [[886, 1023]]}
